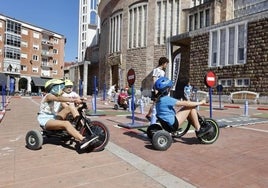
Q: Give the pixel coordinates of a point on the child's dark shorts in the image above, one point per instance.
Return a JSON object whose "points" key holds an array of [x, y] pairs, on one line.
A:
{"points": [[169, 128]]}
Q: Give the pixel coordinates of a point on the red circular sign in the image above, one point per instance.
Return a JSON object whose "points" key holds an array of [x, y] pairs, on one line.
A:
{"points": [[210, 79], [131, 77]]}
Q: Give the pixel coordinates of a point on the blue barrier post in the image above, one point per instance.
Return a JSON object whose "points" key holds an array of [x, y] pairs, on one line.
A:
{"points": [[210, 102]]}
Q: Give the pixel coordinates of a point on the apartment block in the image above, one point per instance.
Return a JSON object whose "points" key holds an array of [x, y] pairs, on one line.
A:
{"points": [[29, 56]]}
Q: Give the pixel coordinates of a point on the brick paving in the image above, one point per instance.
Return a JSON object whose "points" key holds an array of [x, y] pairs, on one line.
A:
{"points": [[239, 158]]}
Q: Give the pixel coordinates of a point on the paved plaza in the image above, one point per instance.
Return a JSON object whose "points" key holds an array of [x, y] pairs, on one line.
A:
{"points": [[239, 158]]}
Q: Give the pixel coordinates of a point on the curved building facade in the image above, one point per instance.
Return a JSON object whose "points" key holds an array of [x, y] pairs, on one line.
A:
{"points": [[134, 35], [197, 36]]}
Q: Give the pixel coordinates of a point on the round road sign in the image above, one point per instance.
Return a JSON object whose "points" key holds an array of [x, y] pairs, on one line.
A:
{"points": [[210, 79], [131, 77]]}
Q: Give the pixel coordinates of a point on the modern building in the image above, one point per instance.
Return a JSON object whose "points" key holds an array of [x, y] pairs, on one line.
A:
{"points": [[88, 26], [228, 37], [82, 73], [29, 56]]}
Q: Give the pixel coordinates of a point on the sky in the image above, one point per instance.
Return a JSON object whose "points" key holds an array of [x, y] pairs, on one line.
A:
{"points": [[59, 16]]}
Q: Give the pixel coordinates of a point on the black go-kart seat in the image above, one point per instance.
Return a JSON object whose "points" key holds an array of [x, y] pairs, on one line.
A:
{"points": [[165, 126]]}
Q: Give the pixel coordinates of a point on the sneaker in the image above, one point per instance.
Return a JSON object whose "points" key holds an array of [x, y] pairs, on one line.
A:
{"points": [[148, 117], [202, 131], [86, 141]]}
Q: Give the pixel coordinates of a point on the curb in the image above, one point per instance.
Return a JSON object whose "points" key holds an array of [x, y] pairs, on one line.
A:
{"points": [[228, 106], [262, 108]]}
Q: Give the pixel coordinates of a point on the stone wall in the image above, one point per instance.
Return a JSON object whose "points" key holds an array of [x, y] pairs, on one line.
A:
{"points": [[255, 67]]}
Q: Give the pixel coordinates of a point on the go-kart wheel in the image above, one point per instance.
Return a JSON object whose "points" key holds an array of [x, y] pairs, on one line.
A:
{"points": [[116, 106], [99, 129], [161, 140], [152, 129], [213, 134], [34, 140]]}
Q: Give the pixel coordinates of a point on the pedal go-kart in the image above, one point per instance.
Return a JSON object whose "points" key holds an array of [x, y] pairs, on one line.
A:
{"points": [[35, 138], [162, 137]]}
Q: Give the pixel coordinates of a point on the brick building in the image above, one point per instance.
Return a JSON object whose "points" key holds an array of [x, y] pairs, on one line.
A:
{"points": [[227, 37], [29, 56]]}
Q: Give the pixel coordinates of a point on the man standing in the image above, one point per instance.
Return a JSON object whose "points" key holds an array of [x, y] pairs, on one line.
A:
{"points": [[158, 72]]}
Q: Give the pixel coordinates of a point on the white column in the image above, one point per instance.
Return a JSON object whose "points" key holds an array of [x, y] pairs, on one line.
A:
{"points": [[85, 77]]}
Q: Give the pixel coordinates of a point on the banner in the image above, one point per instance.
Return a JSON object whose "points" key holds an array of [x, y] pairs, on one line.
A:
{"points": [[176, 70]]}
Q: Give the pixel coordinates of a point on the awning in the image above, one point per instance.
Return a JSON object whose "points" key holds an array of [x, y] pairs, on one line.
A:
{"points": [[3, 79], [39, 81]]}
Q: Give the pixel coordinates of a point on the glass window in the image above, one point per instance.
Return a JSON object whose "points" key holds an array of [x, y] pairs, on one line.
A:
{"points": [[93, 18], [13, 27], [229, 43], [137, 25], [166, 20], [207, 23], [214, 48]]}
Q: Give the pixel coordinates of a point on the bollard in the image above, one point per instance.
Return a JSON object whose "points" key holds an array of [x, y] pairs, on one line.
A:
{"points": [[142, 106], [246, 108], [153, 118], [129, 105]]}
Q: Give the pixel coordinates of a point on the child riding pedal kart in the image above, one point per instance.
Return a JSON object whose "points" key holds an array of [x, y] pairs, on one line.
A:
{"points": [[123, 99], [207, 130], [52, 119]]}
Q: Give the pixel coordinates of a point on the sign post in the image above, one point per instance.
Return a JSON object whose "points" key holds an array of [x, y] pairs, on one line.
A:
{"points": [[131, 77], [210, 81]]}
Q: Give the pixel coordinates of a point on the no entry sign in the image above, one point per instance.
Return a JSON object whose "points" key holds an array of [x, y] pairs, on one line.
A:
{"points": [[131, 77], [210, 79]]}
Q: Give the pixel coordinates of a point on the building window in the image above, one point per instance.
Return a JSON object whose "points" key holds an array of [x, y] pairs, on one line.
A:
{"points": [[167, 20], [24, 56], [137, 32], [93, 4], [242, 82], [24, 44], [226, 82], [35, 57], [93, 18], [199, 20], [55, 62], [115, 33], [228, 45], [56, 41], [35, 69], [36, 47], [13, 27], [36, 35], [12, 53], [23, 68], [24, 31], [55, 51], [13, 40]]}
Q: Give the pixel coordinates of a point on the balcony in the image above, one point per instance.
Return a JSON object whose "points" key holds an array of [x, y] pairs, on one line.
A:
{"points": [[46, 65], [47, 43], [46, 53]]}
